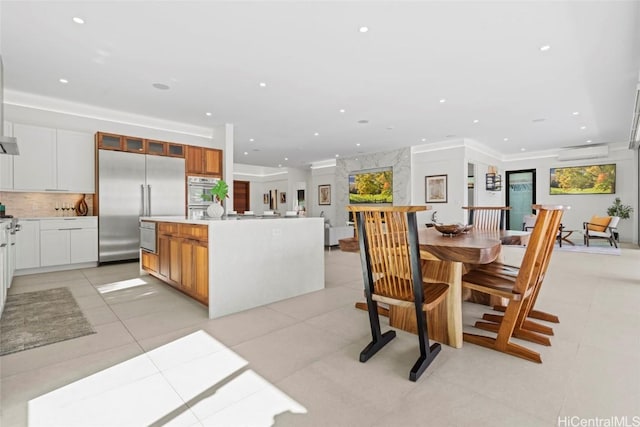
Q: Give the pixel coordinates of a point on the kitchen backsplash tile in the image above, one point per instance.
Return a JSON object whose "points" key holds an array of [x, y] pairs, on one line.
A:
{"points": [[41, 205]]}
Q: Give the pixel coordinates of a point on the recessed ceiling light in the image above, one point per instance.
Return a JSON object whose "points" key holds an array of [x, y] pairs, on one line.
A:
{"points": [[286, 158], [358, 144], [63, 81], [78, 20], [337, 155], [442, 101], [476, 121], [160, 86], [279, 166], [246, 153], [342, 110], [251, 139], [588, 140], [363, 29], [506, 139], [583, 127], [208, 113], [263, 84], [545, 48], [523, 149], [316, 134], [424, 139], [576, 113]]}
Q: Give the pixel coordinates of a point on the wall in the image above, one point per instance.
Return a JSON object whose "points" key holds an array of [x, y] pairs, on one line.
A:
{"points": [[583, 207], [263, 179], [427, 161], [325, 176]]}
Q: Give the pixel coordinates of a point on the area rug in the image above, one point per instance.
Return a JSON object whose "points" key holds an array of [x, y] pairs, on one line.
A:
{"points": [[34, 319], [604, 250]]}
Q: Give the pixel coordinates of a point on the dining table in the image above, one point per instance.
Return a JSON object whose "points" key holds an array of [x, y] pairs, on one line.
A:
{"points": [[445, 258]]}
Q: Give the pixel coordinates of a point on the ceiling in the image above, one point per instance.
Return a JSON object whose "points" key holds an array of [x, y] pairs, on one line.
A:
{"points": [[422, 73]]}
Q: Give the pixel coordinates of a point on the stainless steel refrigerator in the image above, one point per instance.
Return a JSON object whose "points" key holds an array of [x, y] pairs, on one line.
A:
{"points": [[132, 185]]}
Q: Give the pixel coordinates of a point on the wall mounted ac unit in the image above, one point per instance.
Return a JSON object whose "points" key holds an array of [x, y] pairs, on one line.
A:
{"points": [[581, 153]]}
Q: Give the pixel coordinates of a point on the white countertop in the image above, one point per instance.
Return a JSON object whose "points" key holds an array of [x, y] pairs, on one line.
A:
{"points": [[54, 217], [236, 218]]}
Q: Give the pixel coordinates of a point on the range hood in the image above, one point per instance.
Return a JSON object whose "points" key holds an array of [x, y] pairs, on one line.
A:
{"points": [[8, 144]]}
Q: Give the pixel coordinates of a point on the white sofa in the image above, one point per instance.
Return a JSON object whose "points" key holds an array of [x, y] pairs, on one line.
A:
{"points": [[333, 234]]}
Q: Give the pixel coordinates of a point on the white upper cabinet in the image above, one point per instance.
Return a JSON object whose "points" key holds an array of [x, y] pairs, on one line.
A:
{"points": [[34, 168], [76, 161], [53, 160], [6, 164]]}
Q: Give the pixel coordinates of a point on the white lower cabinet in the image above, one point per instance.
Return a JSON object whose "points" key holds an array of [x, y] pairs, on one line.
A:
{"points": [[28, 244], [68, 241]]}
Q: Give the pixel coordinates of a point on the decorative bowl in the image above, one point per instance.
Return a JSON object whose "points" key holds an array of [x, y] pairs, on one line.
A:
{"points": [[450, 229]]}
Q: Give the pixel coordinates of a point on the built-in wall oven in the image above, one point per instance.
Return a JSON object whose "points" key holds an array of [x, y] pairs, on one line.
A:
{"points": [[197, 186]]}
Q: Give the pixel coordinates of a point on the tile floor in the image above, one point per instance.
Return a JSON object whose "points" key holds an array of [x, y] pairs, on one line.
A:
{"points": [[157, 360]]}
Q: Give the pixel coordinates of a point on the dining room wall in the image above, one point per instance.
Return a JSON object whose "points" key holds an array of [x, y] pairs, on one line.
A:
{"points": [[583, 207]]}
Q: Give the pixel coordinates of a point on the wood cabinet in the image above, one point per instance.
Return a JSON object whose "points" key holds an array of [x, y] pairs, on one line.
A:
{"points": [[203, 161], [110, 141], [183, 258], [150, 262]]}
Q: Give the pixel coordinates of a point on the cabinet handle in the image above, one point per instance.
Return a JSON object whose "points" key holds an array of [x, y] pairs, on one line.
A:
{"points": [[75, 228], [54, 189], [3, 245], [70, 219]]}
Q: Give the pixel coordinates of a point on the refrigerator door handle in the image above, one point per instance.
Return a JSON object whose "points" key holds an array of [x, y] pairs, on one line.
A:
{"points": [[148, 200], [143, 210]]}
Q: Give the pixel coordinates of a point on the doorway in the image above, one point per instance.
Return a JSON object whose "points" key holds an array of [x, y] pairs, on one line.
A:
{"points": [[521, 194], [241, 196]]}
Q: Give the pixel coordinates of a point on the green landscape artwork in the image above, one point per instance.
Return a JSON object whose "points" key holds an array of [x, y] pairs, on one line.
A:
{"points": [[371, 187], [593, 179]]}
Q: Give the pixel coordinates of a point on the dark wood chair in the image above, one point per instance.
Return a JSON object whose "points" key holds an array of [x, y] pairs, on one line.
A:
{"points": [[392, 273], [520, 290]]}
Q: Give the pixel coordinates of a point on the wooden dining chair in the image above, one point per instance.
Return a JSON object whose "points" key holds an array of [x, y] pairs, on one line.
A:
{"points": [[392, 273], [511, 272], [521, 291], [526, 328], [487, 217]]}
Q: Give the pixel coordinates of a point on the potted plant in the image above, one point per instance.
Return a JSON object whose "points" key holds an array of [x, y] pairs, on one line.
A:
{"points": [[216, 194], [620, 210]]}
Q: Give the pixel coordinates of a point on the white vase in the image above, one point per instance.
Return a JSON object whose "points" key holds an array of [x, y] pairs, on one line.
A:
{"points": [[215, 210]]}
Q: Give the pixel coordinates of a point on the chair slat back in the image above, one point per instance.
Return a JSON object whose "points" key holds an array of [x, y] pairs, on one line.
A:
{"points": [[487, 217], [386, 243], [539, 249]]}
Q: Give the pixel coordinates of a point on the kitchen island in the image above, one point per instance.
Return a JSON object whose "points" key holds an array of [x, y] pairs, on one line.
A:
{"points": [[233, 264]]}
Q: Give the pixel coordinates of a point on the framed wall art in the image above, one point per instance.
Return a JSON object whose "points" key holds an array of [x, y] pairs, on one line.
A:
{"points": [[435, 189], [324, 194]]}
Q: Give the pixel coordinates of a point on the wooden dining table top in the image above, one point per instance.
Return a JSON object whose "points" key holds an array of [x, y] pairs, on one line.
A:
{"points": [[474, 247]]}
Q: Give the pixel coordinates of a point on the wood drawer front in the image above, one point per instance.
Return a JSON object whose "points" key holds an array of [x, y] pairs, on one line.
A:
{"points": [[150, 262], [169, 228], [194, 231]]}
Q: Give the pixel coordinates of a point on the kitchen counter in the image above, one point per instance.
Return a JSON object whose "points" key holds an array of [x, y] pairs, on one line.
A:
{"points": [[250, 261], [234, 218]]}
